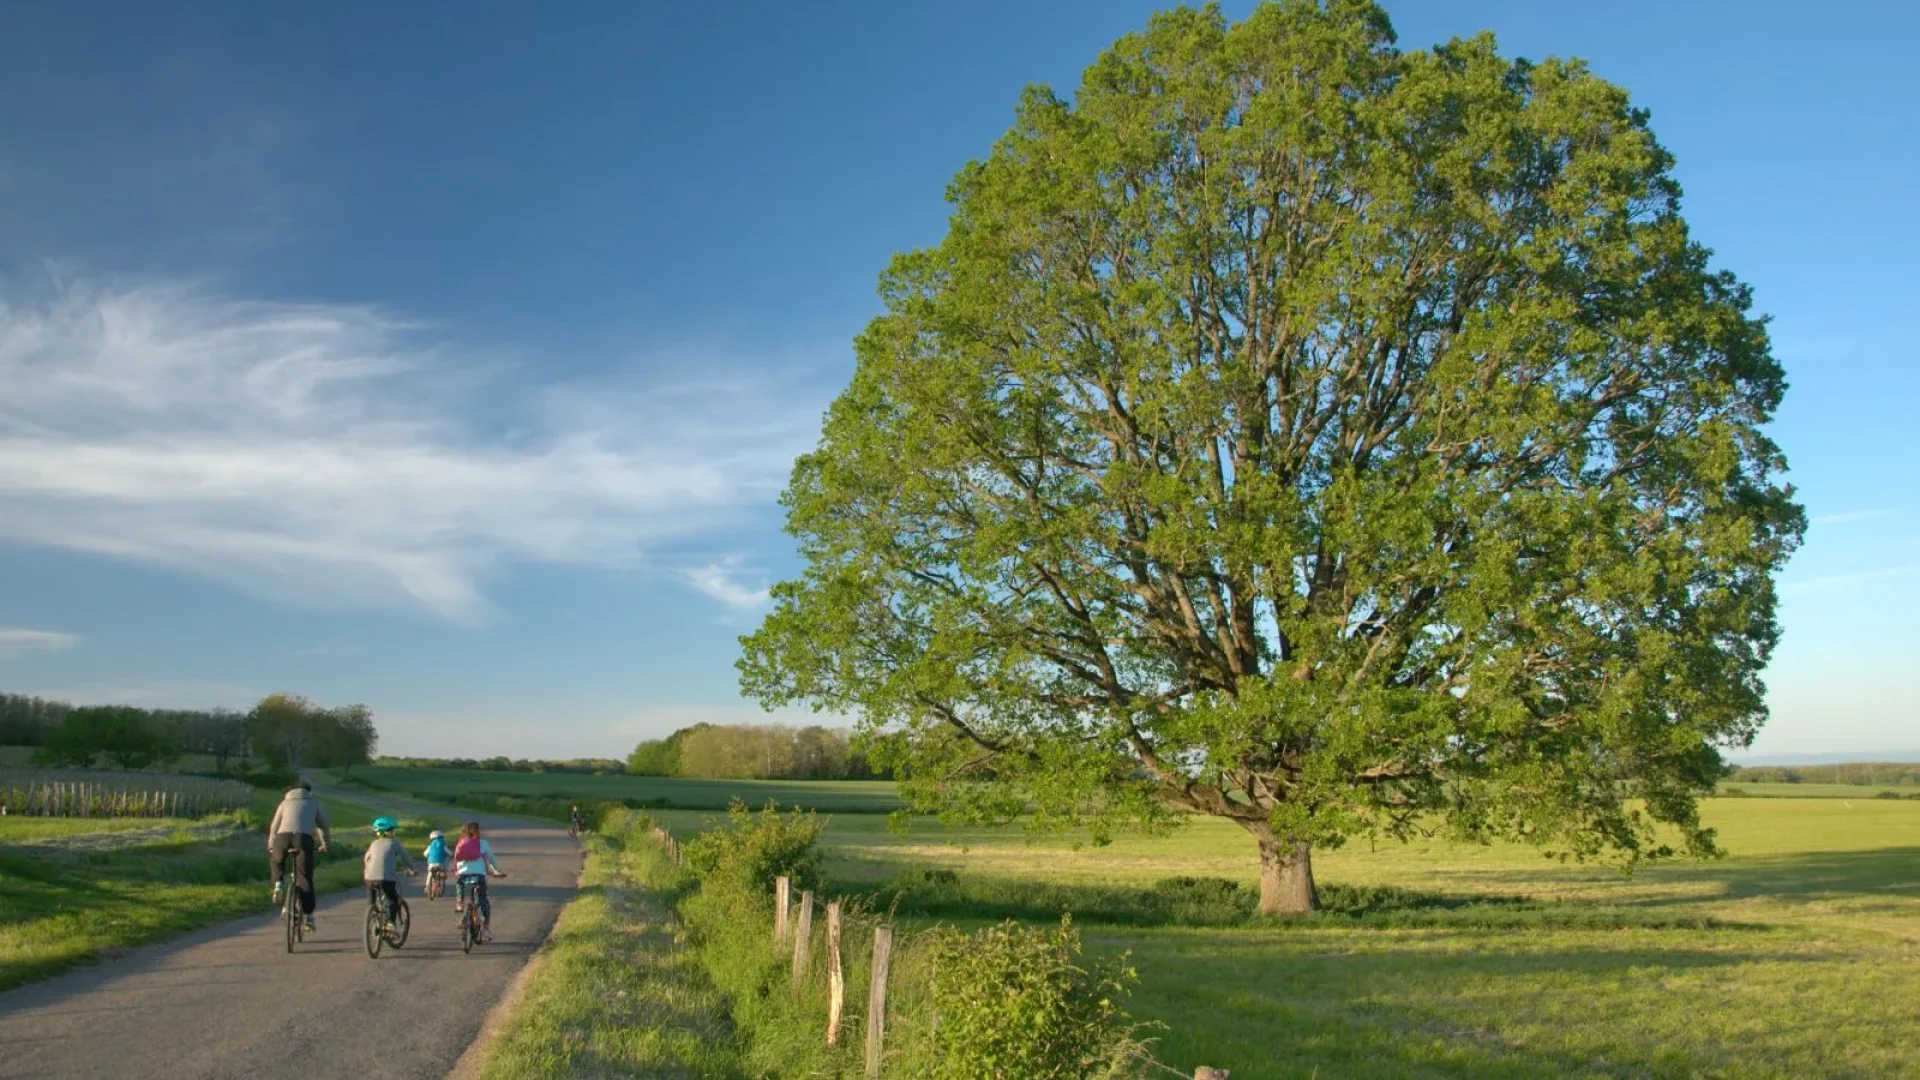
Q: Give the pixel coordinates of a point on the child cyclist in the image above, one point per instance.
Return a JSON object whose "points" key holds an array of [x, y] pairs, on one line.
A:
{"points": [[472, 861], [378, 864], [439, 857]]}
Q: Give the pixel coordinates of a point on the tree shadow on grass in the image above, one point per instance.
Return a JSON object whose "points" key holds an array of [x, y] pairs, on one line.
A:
{"points": [[1802, 877], [1202, 901]]}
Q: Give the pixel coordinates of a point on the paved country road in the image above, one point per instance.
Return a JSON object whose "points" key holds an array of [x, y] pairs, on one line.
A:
{"points": [[229, 1001]]}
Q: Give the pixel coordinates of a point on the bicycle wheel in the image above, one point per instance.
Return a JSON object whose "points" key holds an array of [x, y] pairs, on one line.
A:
{"points": [[374, 934], [402, 926], [293, 922]]}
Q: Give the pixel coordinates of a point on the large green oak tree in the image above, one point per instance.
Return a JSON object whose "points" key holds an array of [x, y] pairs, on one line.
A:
{"points": [[1330, 438]]}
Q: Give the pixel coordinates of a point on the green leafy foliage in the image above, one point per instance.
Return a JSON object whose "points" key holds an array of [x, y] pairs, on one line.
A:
{"points": [[125, 736], [289, 731], [750, 851], [1327, 437], [1020, 1001]]}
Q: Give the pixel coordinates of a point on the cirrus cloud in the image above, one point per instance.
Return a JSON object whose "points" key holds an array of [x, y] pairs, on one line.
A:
{"points": [[19, 641], [316, 454]]}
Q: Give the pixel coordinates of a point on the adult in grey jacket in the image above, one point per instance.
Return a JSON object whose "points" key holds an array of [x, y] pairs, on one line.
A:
{"points": [[294, 823]]}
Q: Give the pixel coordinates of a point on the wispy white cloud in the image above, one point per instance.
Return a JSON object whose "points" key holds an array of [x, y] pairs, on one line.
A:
{"points": [[19, 641], [1851, 517], [720, 580], [315, 454]]}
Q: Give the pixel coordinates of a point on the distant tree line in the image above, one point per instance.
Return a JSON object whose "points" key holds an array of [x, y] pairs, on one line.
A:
{"points": [[284, 731], [1863, 773], [577, 766], [752, 752]]}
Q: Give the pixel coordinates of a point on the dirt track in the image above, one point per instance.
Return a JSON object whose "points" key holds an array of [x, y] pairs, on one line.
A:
{"points": [[229, 1001]]}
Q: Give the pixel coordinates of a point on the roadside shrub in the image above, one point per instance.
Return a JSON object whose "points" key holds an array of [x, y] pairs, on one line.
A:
{"points": [[1016, 1001], [752, 850]]}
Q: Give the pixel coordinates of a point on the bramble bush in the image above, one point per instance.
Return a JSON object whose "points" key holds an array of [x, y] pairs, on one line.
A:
{"points": [[1016, 1001], [751, 851]]}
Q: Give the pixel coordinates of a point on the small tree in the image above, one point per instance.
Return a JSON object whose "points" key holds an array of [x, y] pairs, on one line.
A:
{"points": [[349, 737], [284, 729], [1307, 433]]}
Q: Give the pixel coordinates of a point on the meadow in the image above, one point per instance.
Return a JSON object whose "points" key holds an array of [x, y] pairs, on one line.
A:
{"points": [[74, 890], [1793, 956], [838, 796]]}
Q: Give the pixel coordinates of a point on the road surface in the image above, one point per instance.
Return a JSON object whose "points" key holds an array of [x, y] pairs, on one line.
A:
{"points": [[229, 1001]]}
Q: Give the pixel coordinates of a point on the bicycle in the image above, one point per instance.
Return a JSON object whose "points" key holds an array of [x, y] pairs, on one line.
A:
{"points": [[386, 927], [436, 881], [470, 924], [290, 897]]}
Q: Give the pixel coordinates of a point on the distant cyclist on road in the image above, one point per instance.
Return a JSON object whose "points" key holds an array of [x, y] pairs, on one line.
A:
{"points": [[292, 831], [472, 860], [439, 856], [578, 826]]}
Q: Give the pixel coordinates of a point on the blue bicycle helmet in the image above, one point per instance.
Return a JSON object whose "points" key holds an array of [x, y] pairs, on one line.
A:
{"points": [[384, 823]]}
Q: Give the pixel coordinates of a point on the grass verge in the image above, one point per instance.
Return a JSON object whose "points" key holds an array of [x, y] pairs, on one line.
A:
{"points": [[616, 992], [73, 891]]}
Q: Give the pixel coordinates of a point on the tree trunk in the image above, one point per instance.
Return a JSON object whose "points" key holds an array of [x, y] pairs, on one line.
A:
{"points": [[1286, 877]]}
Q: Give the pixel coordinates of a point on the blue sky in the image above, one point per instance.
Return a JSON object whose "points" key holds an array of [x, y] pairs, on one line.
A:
{"points": [[451, 360]]}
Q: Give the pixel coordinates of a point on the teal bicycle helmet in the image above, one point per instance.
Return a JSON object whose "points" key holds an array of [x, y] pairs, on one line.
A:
{"points": [[384, 824]]}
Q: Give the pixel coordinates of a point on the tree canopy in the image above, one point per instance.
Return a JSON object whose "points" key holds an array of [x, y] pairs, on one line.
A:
{"points": [[292, 732], [125, 736], [1326, 437]]}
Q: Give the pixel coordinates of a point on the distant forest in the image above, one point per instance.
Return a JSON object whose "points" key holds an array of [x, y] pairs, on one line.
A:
{"points": [[702, 751], [220, 733], [285, 731], [1863, 773]]}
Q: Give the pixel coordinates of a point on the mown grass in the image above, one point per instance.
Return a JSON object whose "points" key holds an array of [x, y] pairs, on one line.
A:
{"points": [[76, 890], [1794, 956], [615, 992]]}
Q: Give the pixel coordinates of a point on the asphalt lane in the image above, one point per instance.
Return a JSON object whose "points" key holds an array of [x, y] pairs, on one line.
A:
{"points": [[230, 1001]]}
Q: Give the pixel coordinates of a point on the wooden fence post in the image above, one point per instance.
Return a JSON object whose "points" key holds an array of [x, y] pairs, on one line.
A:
{"points": [[877, 999], [836, 980], [781, 888], [802, 938]]}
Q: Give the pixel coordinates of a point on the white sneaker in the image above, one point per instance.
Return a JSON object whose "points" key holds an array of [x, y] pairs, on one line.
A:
{"points": [[276, 894]]}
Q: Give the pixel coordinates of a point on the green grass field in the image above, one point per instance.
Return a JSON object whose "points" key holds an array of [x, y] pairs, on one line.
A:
{"points": [[76, 889], [840, 796], [1793, 956]]}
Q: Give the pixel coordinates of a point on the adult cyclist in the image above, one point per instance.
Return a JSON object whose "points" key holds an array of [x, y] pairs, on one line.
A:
{"points": [[292, 832], [578, 825]]}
